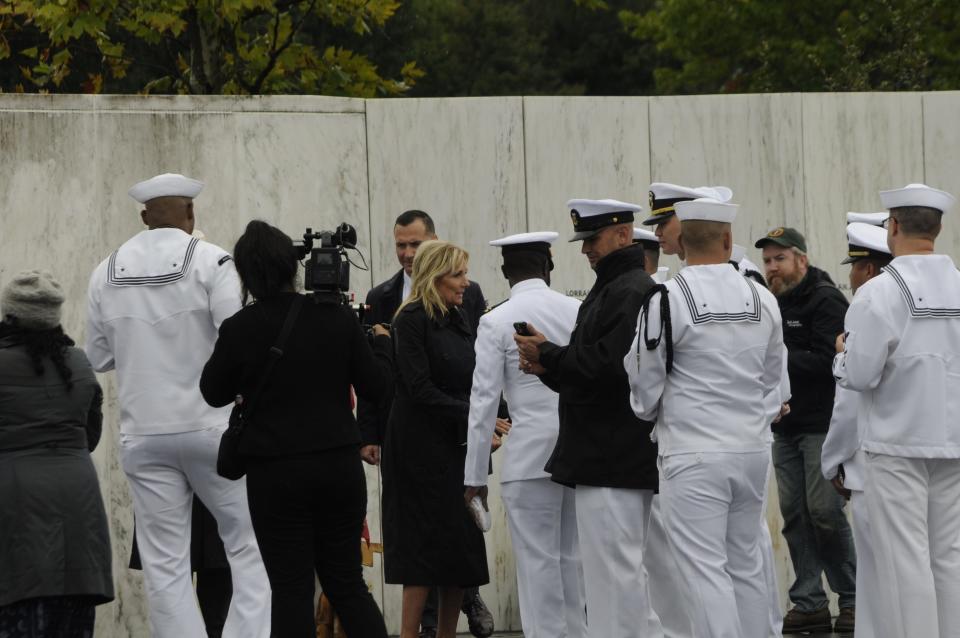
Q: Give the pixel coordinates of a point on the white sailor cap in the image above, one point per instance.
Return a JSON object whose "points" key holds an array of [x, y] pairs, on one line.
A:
{"points": [[866, 241], [546, 237], [166, 185], [538, 241], [645, 237], [663, 196], [917, 195], [591, 215], [874, 219], [738, 253], [706, 209]]}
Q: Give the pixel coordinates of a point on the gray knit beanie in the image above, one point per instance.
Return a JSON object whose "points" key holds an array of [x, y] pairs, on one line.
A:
{"points": [[35, 298]]}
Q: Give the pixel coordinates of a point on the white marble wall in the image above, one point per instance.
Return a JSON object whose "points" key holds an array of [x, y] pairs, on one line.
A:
{"points": [[482, 167]]}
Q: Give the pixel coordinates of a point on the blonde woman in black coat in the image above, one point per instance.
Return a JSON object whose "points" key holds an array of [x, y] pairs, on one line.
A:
{"points": [[429, 537]]}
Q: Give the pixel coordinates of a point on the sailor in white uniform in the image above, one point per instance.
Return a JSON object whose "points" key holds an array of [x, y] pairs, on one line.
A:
{"points": [[749, 269], [841, 459], [706, 363], [901, 351], [668, 599], [541, 514], [154, 308], [666, 595]]}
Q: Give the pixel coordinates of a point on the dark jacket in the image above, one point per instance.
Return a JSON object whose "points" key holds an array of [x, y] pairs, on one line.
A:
{"points": [[54, 539], [305, 405], [383, 301], [601, 442], [813, 315], [429, 537]]}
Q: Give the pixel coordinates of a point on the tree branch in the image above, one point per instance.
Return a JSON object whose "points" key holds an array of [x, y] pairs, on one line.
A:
{"points": [[275, 54]]}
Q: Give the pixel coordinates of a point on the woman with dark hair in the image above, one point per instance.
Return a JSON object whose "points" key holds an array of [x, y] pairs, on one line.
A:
{"points": [[54, 540], [305, 480]]}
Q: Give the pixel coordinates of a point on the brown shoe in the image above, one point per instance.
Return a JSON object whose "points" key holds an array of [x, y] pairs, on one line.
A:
{"points": [[845, 621], [798, 622]]}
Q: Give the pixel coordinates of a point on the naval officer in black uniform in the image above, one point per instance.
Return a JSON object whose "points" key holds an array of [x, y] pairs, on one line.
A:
{"points": [[603, 448]]}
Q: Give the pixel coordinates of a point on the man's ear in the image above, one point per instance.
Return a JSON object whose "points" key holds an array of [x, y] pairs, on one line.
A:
{"points": [[503, 269], [143, 217]]}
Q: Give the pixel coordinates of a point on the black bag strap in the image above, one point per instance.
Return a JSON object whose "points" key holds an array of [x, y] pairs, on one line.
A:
{"points": [[276, 351]]}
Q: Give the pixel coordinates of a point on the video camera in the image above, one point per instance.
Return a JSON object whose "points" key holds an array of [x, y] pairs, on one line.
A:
{"points": [[327, 270]]}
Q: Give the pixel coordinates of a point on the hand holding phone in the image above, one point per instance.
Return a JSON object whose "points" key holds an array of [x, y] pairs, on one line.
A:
{"points": [[521, 328]]}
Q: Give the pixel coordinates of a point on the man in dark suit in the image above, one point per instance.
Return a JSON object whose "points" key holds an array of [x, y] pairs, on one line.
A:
{"points": [[412, 228]]}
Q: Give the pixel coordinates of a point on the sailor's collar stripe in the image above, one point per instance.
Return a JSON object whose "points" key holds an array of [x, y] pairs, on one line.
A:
{"points": [[699, 317], [115, 280], [920, 313]]}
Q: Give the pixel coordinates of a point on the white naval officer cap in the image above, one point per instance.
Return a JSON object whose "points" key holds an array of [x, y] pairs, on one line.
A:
{"points": [[706, 209], [166, 185], [917, 195], [540, 237], [663, 196], [738, 253], [644, 236], [866, 241], [874, 219], [589, 216]]}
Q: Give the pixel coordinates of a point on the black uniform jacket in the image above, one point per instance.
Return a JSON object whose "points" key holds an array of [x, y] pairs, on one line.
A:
{"points": [[813, 315], [384, 300], [602, 442]]}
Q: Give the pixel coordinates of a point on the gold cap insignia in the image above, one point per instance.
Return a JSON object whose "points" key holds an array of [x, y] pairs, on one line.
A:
{"points": [[776, 232]]}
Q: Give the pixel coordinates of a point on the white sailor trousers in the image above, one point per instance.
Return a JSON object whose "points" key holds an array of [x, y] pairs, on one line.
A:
{"points": [[667, 593], [713, 507], [543, 530], [612, 523], [164, 471], [868, 581], [913, 510], [769, 565]]}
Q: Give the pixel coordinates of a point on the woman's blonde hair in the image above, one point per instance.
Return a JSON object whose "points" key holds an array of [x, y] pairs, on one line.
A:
{"points": [[435, 259]]}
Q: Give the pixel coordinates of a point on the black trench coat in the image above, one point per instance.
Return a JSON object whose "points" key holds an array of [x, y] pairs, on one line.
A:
{"points": [[429, 536]]}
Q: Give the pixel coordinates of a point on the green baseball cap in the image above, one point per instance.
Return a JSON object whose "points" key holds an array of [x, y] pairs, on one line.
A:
{"points": [[786, 237]]}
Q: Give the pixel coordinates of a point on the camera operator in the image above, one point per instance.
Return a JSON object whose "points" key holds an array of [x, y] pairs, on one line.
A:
{"points": [[305, 480]]}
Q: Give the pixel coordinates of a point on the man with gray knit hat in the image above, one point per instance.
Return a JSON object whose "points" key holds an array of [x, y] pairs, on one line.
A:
{"points": [[155, 306]]}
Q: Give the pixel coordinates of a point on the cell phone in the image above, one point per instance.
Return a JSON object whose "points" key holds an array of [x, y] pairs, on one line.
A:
{"points": [[521, 328]]}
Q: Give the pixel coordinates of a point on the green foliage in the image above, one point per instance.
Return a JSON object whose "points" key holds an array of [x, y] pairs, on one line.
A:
{"points": [[366, 48], [195, 46], [812, 45], [505, 47]]}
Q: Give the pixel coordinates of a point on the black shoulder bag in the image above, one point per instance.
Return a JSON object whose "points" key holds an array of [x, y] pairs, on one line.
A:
{"points": [[230, 463]]}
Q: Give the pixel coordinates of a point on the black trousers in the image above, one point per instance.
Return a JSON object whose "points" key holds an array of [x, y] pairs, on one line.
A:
{"points": [[214, 592], [307, 514]]}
